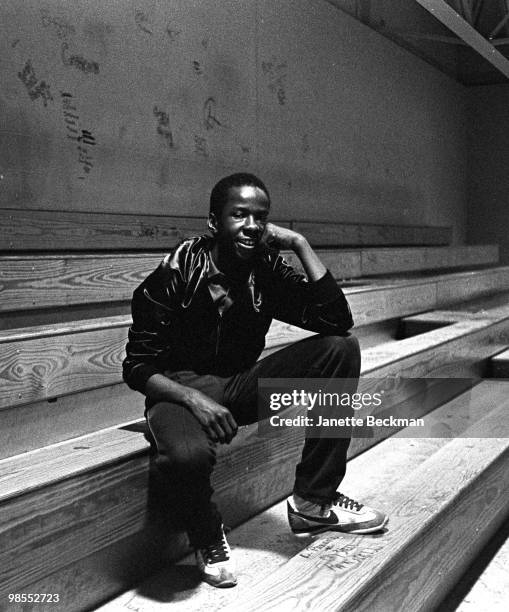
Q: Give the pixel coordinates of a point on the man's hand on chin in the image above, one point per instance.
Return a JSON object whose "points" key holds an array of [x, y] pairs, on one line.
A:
{"points": [[280, 238]]}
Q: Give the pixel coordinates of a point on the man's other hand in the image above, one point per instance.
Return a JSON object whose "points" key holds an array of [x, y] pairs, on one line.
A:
{"points": [[216, 420]]}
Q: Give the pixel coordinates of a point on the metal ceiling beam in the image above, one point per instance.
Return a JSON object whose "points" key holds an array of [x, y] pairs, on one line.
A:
{"points": [[499, 26], [467, 11], [450, 18], [449, 40], [477, 10]]}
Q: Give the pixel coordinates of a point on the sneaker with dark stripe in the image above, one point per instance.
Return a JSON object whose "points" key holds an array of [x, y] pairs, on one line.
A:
{"points": [[342, 514], [215, 563]]}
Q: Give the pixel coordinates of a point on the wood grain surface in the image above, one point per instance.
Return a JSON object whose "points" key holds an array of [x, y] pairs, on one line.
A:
{"points": [[101, 472], [46, 362], [95, 490], [383, 261], [352, 234], [31, 426], [38, 230], [264, 544], [50, 366], [29, 283], [43, 230], [401, 569], [499, 365]]}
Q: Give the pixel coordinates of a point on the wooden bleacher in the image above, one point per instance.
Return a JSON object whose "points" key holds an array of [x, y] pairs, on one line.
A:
{"points": [[79, 496], [43, 362], [398, 570]]}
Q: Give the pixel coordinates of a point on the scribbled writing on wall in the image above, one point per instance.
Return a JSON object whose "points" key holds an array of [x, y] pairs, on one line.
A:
{"points": [[83, 138], [35, 88], [163, 126], [306, 147], [78, 61], [145, 24], [210, 114], [172, 33], [276, 75], [141, 20], [58, 26], [244, 160], [153, 231], [201, 147]]}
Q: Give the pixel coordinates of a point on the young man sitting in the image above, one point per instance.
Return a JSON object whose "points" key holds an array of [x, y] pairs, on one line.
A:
{"points": [[199, 325]]}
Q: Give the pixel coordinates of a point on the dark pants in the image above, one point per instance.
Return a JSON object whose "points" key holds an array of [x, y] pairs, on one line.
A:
{"points": [[186, 456]]}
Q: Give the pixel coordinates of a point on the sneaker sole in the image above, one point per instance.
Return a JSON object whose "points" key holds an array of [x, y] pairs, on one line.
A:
{"points": [[221, 585], [323, 528]]}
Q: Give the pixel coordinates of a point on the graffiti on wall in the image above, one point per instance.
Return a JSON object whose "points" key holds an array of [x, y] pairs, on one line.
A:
{"points": [[84, 138], [276, 74], [78, 61], [163, 126], [36, 89]]}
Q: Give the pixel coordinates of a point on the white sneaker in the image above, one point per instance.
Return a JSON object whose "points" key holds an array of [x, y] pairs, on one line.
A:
{"points": [[216, 564], [342, 514]]}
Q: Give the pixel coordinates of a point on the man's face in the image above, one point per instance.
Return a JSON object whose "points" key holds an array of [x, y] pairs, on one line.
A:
{"points": [[242, 222]]}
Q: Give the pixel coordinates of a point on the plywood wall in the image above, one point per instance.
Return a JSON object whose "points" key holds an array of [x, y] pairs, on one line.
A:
{"points": [[123, 106]]}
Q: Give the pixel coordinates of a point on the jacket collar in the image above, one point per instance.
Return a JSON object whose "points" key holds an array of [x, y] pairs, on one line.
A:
{"points": [[214, 275]]}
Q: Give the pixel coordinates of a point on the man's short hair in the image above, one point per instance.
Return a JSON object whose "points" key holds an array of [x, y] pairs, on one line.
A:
{"points": [[219, 194]]}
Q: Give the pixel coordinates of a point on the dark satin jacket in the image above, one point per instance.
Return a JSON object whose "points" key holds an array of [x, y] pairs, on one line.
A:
{"points": [[177, 326]]}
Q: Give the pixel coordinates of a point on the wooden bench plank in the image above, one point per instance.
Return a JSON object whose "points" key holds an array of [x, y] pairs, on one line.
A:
{"points": [[49, 280], [491, 306], [431, 352], [70, 458], [28, 283], [468, 286], [84, 515], [464, 479], [49, 366], [31, 426], [32, 230], [354, 234], [386, 261], [29, 230], [500, 365]]}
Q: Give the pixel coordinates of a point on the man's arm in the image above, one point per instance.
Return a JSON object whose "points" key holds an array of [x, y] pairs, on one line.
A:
{"points": [[154, 313], [282, 238], [313, 267], [317, 304]]}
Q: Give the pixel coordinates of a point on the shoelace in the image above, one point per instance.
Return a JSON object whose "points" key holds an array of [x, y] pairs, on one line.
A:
{"points": [[217, 552], [347, 502]]}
